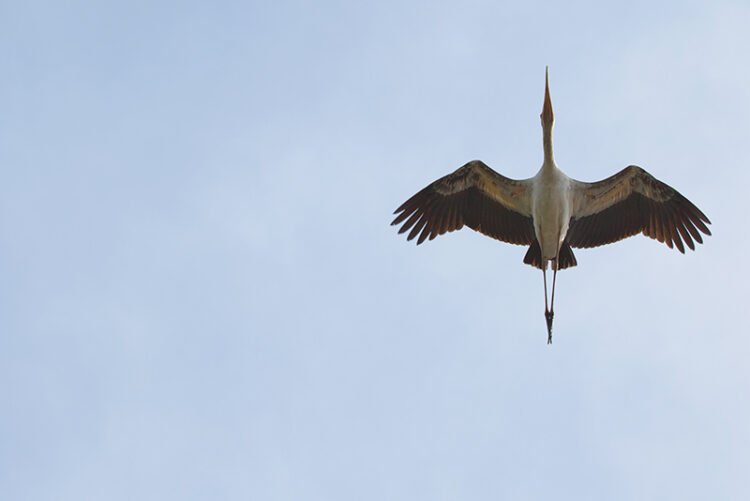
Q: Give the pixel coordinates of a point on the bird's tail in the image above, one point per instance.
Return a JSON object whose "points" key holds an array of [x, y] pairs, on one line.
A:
{"points": [[566, 257]]}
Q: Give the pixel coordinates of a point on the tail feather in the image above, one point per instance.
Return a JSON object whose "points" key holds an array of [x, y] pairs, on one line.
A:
{"points": [[533, 256], [565, 256]]}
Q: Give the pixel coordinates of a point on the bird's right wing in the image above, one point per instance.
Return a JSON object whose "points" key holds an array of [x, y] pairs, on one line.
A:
{"points": [[474, 195], [630, 202]]}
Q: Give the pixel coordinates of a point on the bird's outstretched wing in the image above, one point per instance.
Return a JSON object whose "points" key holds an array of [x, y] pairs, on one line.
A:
{"points": [[630, 202], [475, 196]]}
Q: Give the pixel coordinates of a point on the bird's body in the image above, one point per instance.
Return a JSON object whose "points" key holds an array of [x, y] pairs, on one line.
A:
{"points": [[551, 212], [551, 208]]}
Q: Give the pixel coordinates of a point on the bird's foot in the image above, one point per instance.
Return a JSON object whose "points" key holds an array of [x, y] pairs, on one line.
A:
{"points": [[549, 315]]}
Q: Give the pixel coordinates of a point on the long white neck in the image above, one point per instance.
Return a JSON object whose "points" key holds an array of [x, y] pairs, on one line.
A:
{"points": [[549, 157]]}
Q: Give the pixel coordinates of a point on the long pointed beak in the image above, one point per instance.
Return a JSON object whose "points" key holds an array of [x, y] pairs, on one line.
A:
{"points": [[547, 116]]}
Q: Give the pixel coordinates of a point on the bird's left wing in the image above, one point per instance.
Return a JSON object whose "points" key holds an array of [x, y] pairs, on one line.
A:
{"points": [[631, 202], [475, 196]]}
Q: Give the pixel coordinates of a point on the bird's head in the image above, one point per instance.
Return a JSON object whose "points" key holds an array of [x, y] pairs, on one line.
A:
{"points": [[548, 118]]}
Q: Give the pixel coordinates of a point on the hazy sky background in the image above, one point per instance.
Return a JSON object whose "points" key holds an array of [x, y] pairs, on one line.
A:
{"points": [[201, 296]]}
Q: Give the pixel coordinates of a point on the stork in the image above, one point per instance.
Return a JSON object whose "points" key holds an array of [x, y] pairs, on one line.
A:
{"points": [[551, 212]]}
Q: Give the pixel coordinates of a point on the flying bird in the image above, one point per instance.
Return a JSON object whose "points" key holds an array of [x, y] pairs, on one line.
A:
{"points": [[551, 212]]}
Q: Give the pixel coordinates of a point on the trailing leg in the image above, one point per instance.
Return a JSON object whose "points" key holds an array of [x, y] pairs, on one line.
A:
{"points": [[551, 314], [548, 314]]}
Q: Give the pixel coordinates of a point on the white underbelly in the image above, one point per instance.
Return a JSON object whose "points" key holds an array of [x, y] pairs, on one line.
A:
{"points": [[551, 214]]}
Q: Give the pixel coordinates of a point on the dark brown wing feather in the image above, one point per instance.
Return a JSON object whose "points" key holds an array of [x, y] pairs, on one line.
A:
{"points": [[475, 196], [631, 202]]}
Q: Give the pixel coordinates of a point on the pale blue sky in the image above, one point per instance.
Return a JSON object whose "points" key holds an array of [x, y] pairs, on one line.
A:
{"points": [[201, 296]]}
